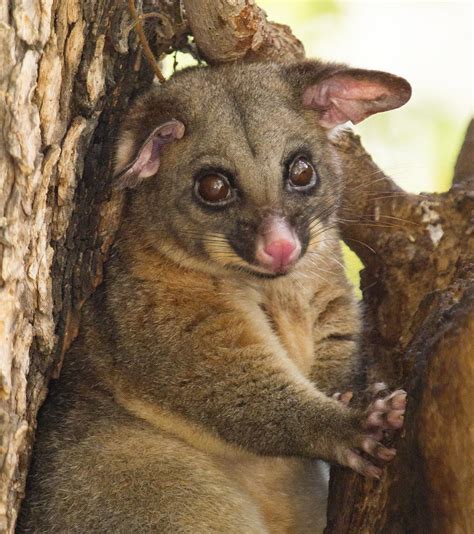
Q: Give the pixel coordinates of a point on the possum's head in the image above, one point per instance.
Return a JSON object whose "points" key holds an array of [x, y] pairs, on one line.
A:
{"points": [[232, 166]]}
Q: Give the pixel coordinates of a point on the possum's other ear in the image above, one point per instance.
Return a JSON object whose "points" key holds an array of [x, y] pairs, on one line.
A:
{"points": [[147, 160], [342, 94]]}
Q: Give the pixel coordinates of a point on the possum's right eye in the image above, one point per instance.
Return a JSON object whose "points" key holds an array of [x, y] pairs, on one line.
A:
{"points": [[301, 174], [214, 188]]}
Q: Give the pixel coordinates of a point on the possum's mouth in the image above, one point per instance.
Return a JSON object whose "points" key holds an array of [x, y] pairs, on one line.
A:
{"points": [[259, 274], [269, 252]]}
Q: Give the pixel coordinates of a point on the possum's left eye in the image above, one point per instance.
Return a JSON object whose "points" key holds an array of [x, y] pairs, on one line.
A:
{"points": [[301, 174]]}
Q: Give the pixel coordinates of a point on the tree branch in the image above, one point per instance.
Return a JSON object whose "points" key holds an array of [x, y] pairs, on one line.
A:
{"points": [[233, 30], [464, 169], [373, 207], [144, 42]]}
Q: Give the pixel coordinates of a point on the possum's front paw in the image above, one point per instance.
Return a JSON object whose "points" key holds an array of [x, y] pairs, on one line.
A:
{"points": [[384, 413]]}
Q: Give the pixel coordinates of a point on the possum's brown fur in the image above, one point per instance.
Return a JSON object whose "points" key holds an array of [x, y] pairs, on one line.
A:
{"points": [[197, 396]]}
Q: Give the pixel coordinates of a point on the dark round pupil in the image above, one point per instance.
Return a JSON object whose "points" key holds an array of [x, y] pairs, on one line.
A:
{"points": [[213, 188], [301, 173]]}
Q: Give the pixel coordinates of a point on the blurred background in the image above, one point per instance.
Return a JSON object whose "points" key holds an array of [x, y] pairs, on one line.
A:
{"points": [[430, 43]]}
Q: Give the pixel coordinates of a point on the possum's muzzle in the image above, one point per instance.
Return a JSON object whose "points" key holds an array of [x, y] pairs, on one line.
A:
{"points": [[278, 247]]}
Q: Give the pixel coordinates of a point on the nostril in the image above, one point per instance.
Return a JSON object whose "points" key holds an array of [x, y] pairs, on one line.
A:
{"points": [[280, 251], [277, 246]]}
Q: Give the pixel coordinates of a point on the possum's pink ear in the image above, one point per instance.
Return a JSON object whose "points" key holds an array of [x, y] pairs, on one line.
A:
{"points": [[355, 94], [147, 161]]}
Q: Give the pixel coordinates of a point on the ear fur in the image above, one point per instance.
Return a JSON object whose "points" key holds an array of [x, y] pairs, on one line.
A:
{"points": [[342, 94], [147, 161]]}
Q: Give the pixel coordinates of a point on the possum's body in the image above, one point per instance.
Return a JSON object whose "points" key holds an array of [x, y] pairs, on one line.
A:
{"points": [[197, 398], [114, 448]]}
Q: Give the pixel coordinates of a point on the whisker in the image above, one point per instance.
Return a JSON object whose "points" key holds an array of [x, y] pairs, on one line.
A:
{"points": [[361, 243], [331, 258], [370, 182], [367, 220], [399, 219], [371, 224]]}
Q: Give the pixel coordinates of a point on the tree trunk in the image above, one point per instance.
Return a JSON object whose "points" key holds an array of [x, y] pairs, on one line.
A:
{"points": [[418, 288], [69, 69]]}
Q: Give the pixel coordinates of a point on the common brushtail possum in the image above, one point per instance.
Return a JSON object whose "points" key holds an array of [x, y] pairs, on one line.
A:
{"points": [[206, 381]]}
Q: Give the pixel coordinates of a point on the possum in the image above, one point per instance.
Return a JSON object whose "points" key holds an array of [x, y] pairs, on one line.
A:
{"points": [[214, 365]]}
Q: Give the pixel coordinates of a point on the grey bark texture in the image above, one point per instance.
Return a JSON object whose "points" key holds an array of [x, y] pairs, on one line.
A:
{"points": [[68, 70]]}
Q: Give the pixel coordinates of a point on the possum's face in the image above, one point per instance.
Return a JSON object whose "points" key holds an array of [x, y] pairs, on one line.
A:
{"points": [[233, 166]]}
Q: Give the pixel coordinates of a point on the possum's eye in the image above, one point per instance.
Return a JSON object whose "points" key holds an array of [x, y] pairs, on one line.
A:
{"points": [[214, 188], [301, 174]]}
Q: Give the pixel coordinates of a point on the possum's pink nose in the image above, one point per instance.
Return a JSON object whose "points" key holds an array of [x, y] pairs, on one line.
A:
{"points": [[281, 253], [278, 247]]}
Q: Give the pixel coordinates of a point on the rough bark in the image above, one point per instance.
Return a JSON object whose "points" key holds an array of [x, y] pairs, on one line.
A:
{"points": [[418, 288], [69, 68], [231, 30]]}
